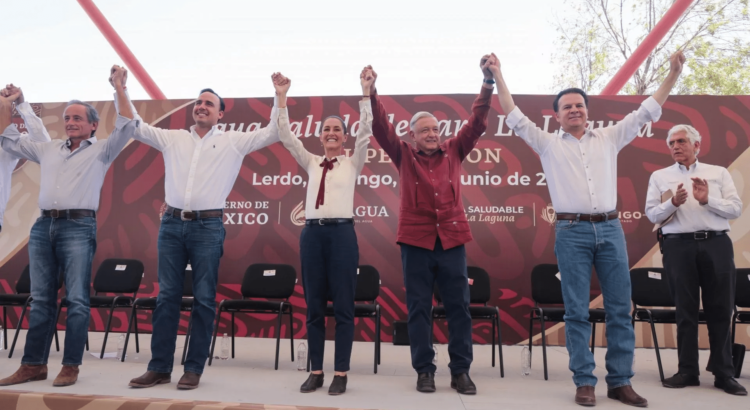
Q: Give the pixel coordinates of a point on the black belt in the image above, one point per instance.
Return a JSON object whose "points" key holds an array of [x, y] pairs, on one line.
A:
{"points": [[68, 213], [194, 215], [329, 221], [589, 217], [696, 236]]}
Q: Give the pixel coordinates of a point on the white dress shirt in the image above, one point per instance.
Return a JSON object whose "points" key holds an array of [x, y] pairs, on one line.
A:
{"points": [[8, 161], [723, 202], [71, 180], [338, 201], [582, 174], [200, 172]]}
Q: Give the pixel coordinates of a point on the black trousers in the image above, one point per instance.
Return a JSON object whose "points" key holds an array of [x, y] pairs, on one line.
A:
{"points": [[706, 265], [447, 267], [330, 256]]}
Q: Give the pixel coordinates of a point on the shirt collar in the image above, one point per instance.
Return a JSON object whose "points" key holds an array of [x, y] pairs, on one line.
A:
{"points": [[215, 130], [91, 141], [683, 168]]}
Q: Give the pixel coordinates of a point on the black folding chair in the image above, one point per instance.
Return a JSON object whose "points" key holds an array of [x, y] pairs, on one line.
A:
{"points": [[368, 291], [149, 303], [22, 298], [479, 295], [113, 276], [546, 289], [266, 281], [741, 300], [651, 288]]}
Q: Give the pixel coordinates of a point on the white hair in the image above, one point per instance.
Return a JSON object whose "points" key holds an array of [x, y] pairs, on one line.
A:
{"points": [[418, 116], [690, 132]]}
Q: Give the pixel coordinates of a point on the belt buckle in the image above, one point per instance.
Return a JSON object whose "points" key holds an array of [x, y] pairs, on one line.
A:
{"points": [[182, 215], [697, 237], [54, 213], [605, 216], [320, 221]]}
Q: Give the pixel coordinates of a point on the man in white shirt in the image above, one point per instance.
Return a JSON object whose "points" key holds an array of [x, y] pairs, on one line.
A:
{"points": [[8, 161], [200, 166], [698, 254], [581, 169], [64, 237]]}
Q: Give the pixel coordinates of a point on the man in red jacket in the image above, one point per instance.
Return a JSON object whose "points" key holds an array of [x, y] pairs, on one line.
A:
{"points": [[432, 229]]}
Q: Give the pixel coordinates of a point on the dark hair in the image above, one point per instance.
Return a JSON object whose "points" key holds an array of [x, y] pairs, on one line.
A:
{"points": [[570, 91], [343, 124], [221, 100]]}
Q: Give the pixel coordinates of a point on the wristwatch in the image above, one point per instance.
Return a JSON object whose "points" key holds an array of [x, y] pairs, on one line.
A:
{"points": [[489, 81]]}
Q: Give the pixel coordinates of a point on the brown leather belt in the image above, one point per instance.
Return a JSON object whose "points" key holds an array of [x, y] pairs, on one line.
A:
{"points": [[68, 213], [194, 215], [589, 217]]}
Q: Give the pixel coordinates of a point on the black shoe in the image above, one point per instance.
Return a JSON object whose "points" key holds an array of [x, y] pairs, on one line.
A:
{"points": [[312, 383], [730, 386], [338, 385], [463, 384], [426, 382], [680, 380]]}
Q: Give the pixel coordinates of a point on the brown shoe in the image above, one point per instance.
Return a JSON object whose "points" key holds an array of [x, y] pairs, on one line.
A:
{"points": [[150, 379], [67, 377], [627, 395], [189, 381], [585, 396], [26, 373]]}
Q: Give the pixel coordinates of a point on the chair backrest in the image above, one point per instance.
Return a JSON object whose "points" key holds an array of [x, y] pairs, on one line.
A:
{"points": [[23, 286], [368, 284], [267, 280], [187, 287], [546, 288], [119, 276], [650, 287], [479, 286], [742, 295]]}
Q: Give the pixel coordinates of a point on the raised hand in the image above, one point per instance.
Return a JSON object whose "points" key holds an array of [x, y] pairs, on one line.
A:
{"points": [[363, 74], [6, 108], [484, 64], [494, 65], [280, 83], [366, 80], [680, 196], [11, 89], [700, 190], [676, 61], [118, 76]]}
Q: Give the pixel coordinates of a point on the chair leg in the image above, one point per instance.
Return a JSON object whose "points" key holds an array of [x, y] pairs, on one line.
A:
{"points": [[734, 325], [187, 338], [127, 334], [593, 336], [106, 330], [232, 335], [216, 332], [377, 336], [135, 330], [500, 346], [18, 328], [531, 330], [278, 336], [57, 320], [656, 346], [544, 347], [291, 330], [493, 341], [5, 329]]}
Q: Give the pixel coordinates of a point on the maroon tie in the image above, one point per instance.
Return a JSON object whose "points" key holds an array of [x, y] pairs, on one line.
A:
{"points": [[326, 164]]}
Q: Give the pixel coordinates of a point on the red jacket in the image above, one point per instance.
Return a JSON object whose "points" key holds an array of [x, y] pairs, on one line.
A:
{"points": [[431, 204]]}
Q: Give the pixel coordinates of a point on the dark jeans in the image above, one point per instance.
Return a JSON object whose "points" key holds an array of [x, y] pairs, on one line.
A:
{"points": [[422, 268], [330, 256], [706, 265], [54, 244], [201, 243]]}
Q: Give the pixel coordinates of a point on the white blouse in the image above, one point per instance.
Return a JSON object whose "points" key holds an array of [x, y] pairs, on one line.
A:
{"points": [[341, 180]]}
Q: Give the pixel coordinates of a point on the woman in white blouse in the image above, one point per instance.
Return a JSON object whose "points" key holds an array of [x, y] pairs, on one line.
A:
{"points": [[328, 243]]}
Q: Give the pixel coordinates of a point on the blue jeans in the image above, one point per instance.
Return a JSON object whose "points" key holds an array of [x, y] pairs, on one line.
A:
{"points": [[578, 246], [200, 243], [330, 255], [422, 269], [55, 244]]}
